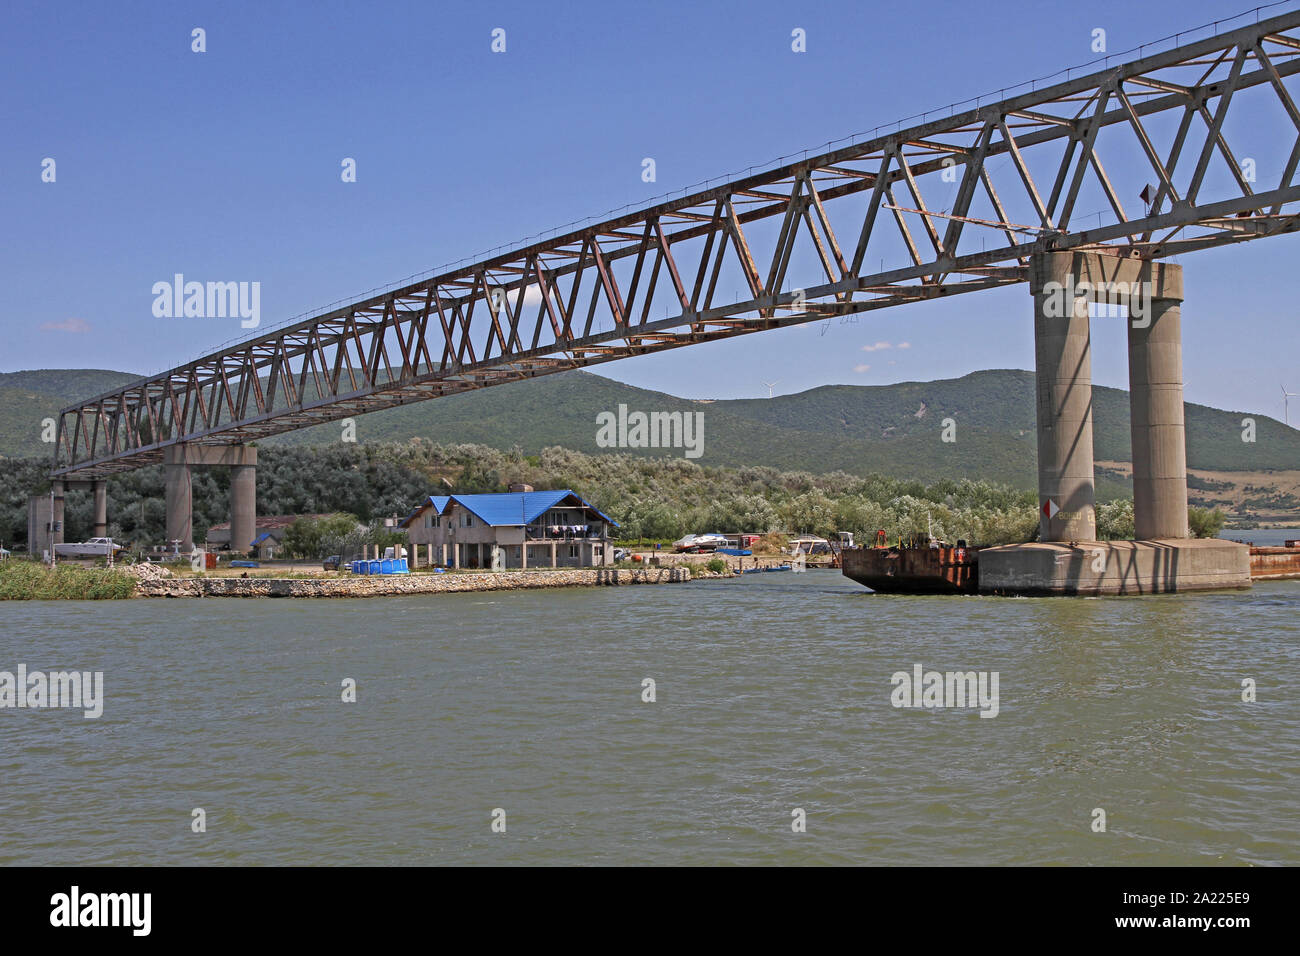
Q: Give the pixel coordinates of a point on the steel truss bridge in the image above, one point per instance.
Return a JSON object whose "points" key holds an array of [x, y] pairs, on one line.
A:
{"points": [[1204, 141]]}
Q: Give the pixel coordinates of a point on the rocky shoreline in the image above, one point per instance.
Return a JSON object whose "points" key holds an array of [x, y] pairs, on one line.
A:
{"points": [[151, 585]]}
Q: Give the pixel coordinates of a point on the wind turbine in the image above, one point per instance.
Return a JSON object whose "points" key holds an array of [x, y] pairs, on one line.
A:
{"points": [[1286, 405], [770, 386]]}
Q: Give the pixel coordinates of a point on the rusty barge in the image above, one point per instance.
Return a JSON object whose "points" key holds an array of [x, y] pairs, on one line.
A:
{"points": [[1276, 564], [914, 568], [921, 567]]}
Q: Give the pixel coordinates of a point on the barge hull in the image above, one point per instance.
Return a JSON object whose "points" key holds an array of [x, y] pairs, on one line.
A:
{"points": [[913, 570], [1276, 564]]}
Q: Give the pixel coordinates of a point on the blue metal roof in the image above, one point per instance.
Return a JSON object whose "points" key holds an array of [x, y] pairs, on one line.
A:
{"points": [[508, 509], [260, 538], [439, 503]]}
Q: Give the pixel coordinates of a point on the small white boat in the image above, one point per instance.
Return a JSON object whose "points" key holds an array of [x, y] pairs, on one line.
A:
{"points": [[94, 548], [700, 542]]}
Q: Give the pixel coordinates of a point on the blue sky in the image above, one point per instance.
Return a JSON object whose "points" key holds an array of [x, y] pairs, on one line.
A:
{"points": [[226, 165]]}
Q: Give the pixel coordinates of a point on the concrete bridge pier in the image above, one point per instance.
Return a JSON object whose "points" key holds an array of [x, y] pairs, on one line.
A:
{"points": [[242, 460], [56, 518], [1067, 559], [1155, 356], [178, 494], [99, 520], [243, 504], [1063, 363]]}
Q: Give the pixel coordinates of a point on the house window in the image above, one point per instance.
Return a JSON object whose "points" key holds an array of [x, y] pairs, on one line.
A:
{"points": [[467, 520], [573, 550]]}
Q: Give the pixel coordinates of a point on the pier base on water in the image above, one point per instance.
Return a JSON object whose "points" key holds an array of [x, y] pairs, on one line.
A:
{"points": [[1089, 568]]}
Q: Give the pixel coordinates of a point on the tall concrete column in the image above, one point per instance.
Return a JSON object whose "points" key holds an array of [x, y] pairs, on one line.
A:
{"points": [[1155, 368], [100, 521], [179, 500], [243, 507], [1063, 362], [57, 527]]}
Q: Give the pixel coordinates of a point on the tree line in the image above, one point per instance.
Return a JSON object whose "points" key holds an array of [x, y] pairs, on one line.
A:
{"points": [[659, 498]]}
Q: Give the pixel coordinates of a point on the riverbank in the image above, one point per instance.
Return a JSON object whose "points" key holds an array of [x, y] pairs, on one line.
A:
{"points": [[32, 581], [382, 585]]}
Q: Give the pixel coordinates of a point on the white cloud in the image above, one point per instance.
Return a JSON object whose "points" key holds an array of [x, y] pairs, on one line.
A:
{"points": [[877, 347], [77, 326], [861, 368], [904, 345]]}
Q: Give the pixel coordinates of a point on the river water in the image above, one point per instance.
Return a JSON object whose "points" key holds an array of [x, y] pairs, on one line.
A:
{"points": [[773, 692], [1263, 537]]}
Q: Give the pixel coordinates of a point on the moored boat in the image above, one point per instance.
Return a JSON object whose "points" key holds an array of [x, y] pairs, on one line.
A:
{"points": [[94, 548], [943, 569]]}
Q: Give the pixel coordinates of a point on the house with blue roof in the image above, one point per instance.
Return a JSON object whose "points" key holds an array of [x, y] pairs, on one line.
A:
{"points": [[521, 528]]}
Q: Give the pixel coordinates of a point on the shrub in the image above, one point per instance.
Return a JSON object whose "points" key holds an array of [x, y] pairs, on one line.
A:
{"points": [[31, 581], [1115, 520], [1204, 523]]}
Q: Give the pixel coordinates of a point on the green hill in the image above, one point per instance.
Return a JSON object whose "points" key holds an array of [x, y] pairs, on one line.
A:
{"points": [[28, 398], [893, 430]]}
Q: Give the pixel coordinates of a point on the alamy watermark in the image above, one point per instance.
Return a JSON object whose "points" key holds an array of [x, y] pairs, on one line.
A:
{"points": [[211, 300], [626, 429], [1135, 297], [933, 689], [127, 910], [38, 690]]}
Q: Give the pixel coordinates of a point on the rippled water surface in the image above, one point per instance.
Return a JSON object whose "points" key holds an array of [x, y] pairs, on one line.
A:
{"points": [[773, 692]]}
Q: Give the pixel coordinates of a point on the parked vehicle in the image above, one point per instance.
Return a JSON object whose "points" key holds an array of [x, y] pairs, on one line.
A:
{"points": [[332, 562]]}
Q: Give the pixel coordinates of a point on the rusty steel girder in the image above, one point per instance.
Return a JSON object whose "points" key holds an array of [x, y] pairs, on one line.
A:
{"points": [[1005, 180]]}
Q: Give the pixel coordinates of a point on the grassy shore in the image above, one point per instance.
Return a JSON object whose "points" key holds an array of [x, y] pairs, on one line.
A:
{"points": [[31, 581]]}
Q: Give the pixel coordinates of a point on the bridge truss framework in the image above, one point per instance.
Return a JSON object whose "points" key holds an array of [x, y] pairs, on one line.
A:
{"points": [[1210, 129]]}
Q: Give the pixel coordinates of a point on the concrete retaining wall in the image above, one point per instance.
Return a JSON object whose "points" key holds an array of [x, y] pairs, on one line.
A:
{"points": [[382, 585]]}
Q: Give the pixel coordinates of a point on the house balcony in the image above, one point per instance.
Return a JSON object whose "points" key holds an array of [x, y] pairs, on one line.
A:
{"points": [[566, 532]]}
